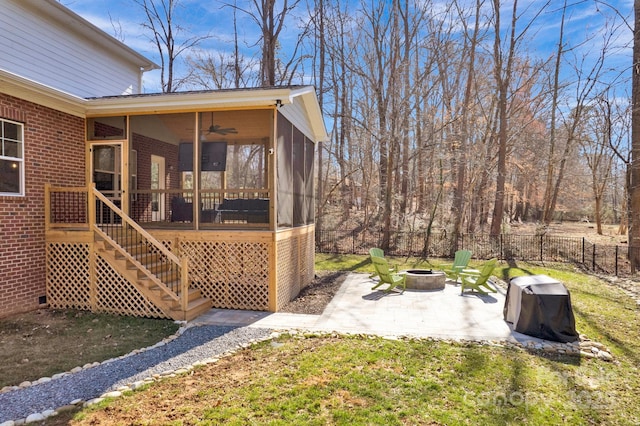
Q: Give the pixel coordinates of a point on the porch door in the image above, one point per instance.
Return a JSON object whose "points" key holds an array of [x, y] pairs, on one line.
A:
{"points": [[157, 182], [106, 174]]}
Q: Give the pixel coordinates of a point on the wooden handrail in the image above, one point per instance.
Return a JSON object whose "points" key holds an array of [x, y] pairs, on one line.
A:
{"points": [[157, 244], [66, 188]]}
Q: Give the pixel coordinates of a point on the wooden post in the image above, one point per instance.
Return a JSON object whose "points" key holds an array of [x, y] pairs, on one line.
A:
{"points": [[93, 255], [273, 273], [184, 284], [272, 183]]}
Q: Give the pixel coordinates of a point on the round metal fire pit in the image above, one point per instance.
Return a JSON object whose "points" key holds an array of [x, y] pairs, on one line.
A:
{"points": [[425, 279]]}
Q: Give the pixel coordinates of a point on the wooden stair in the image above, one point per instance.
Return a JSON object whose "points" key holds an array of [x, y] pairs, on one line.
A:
{"points": [[159, 281]]}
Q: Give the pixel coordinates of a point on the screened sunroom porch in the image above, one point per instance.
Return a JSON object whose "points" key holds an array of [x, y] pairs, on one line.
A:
{"points": [[229, 191]]}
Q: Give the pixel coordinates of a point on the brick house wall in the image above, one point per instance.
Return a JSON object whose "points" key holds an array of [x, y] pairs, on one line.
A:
{"points": [[54, 152]]}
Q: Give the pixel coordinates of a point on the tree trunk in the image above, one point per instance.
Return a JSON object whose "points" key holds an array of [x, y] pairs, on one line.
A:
{"points": [[546, 209], [503, 77], [320, 85], [634, 190], [458, 205]]}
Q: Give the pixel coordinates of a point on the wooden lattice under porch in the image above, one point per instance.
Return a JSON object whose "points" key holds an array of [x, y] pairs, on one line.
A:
{"points": [[251, 270]]}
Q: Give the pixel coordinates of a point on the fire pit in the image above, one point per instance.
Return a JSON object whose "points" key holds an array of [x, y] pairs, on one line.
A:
{"points": [[425, 279]]}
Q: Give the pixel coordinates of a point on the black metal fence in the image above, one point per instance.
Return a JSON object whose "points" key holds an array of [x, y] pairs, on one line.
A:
{"points": [[604, 259]]}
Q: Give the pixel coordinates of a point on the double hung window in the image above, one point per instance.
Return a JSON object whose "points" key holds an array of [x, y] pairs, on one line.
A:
{"points": [[11, 158]]}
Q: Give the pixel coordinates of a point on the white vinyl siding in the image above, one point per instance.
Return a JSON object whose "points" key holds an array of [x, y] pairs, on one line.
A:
{"points": [[52, 52]]}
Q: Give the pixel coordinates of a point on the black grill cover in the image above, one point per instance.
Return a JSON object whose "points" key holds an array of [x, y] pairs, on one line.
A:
{"points": [[540, 306]]}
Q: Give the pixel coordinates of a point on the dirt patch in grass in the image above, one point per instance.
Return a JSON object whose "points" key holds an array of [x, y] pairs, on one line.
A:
{"points": [[45, 342], [317, 295]]}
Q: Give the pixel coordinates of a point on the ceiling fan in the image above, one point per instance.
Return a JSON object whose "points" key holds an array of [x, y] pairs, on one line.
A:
{"points": [[218, 129]]}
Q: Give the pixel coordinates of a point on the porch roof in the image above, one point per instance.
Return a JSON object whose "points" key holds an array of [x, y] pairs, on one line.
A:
{"points": [[293, 101]]}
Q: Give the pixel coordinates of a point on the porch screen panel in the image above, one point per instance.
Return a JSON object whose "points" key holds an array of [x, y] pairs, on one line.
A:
{"points": [[299, 210], [309, 175], [185, 157], [284, 177]]}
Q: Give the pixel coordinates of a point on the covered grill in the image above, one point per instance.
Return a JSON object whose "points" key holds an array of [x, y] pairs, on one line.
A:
{"points": [[540, 306]]}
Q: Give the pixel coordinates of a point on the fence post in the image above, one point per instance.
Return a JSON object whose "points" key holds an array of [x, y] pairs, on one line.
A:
{"points": [[593, 262], [583, 250], [616, 260], [541, 237]]}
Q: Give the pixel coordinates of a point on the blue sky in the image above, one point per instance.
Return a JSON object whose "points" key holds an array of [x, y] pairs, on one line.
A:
{"points": [[211, 17]]}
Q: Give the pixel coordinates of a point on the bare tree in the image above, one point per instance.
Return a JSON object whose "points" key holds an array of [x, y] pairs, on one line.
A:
{"points": [[546, 208], [634, 188], [318, 18], [503, 78], [167, 36], [471, 42], [504, 67], [595, 143], [271, 19]]}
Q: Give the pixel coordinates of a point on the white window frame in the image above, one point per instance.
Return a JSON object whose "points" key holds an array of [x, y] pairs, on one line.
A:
{"points": [[19, 160]]}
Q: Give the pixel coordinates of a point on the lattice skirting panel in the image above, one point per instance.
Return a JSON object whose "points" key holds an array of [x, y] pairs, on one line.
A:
{"points": [[234, 271], [69, 284], [295, 267], [288, 286], [233, 274], [115, 295]]}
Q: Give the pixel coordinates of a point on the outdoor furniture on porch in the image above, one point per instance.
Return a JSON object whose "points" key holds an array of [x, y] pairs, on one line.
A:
{"points": [[387, 275], [478, 282], [460, 262], [181, 211], [244, 210]]}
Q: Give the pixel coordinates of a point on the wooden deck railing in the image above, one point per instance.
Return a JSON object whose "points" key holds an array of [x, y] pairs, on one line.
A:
{"points": [[161, 266], [76, 208], [68, 207]]}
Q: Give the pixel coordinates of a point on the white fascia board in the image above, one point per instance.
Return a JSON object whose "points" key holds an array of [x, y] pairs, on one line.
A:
{"points": [[314, 114], [187, 101], [41, 94]]}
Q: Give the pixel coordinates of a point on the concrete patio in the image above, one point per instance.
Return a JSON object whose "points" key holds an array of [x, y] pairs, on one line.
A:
{"points": [[356, 308]]}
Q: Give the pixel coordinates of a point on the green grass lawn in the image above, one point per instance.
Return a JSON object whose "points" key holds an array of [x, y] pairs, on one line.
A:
{"points": [[364, 380]]}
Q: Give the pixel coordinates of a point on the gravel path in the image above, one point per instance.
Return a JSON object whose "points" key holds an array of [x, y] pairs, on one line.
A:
{"points": [[193, 345]]}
